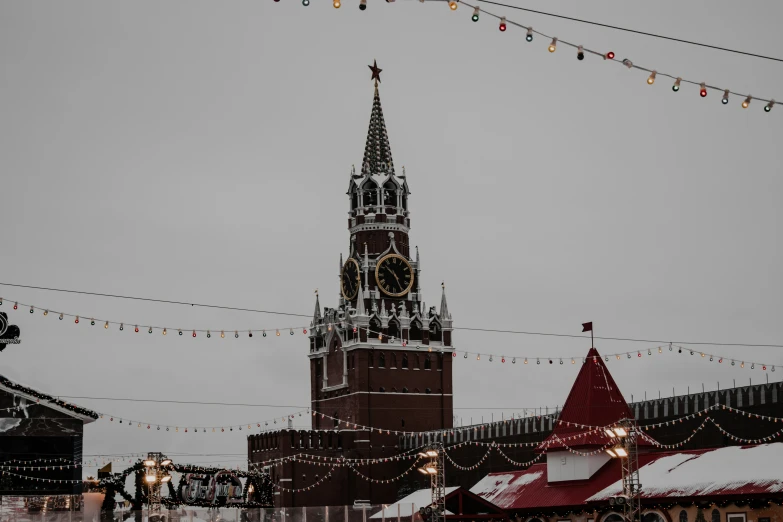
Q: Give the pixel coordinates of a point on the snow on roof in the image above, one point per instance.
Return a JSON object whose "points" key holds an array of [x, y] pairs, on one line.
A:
{"points": [[35, 397], [410, 505], [732, 470], [497, 486]]}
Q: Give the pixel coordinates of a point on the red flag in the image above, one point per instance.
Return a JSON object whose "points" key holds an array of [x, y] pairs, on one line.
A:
{"points": [[587, 327]]}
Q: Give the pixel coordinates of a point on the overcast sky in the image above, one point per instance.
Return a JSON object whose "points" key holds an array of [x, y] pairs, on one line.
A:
{"points": [[200, 151]]}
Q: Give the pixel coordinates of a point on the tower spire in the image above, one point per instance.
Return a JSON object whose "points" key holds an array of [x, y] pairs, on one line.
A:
{"points": [[377, 151], [317, 312], [444, 307]]}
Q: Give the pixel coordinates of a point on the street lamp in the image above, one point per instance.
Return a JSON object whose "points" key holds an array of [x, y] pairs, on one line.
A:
{"points": [[617, 432]]}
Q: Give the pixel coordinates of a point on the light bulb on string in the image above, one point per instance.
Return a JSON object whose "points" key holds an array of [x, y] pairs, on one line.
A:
{"points": [[194, 333], [236, 334], [453, 5], [106, 325], [136, 329], [609, 56], [676, 86], [502, 25], [363, 4], [149, 330], [476, 12], [305, 2], [16, 306], [61, 317], [263, 333], [46, 312], [179, 332], [746, 103], [651, 78], [628, 63], [529, 36], [702, 90], [336, 4], [164, 331], [291, 331], [209, 334], [580, 53], [725, 99], [553, 45], [465, 356], [277, 333], [767, 108], [77, 320], [31, 310], [222, 334], [250, 333]]}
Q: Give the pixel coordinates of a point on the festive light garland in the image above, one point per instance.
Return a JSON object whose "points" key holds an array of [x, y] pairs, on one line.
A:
{"points": [[48, 398], [581, 50], [38, 479], [39, 468], [384, 481]]}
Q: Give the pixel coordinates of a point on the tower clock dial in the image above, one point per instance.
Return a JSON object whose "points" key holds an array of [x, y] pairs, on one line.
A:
{"points": [[350, 279], [394, 275]]}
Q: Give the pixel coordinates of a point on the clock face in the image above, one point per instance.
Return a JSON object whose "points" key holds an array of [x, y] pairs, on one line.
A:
{"points": [[350, 280], [394, 275]]}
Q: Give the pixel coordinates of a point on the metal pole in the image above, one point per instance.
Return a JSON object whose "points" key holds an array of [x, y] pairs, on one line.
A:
{"points": [[630, 470]]}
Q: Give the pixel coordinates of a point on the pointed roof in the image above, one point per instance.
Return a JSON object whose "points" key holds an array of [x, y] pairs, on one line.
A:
{"points": [[377, 151], [594, 400], [444, 307], [317, 312]]}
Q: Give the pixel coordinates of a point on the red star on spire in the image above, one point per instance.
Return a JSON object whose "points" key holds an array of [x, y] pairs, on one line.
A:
{"points": [[376, 72]]}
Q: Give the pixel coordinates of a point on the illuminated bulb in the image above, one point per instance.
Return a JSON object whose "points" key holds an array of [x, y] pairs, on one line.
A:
{"points": [[380, 337], [150, 330], [529, 36], [553, 45], [77, 320], [651, 78], [194, 333], [725, 99], [453, 5], [136, 329], [476, 12], [580, 53], [502, 25], [676, 86], [336, 4], [164, 331], [277, 332], [31, 310], [209, 334], [46, 312], [16, 306], [291, 332], [305, 2], [525, 360], [478, 357], [222, 334], [609, 56], [363, 5], [767, 108], [702, 90], [746, 103]]}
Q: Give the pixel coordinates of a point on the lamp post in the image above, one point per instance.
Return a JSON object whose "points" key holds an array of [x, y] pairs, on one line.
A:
{"points": [[156, 474], [436, 469], [625, 433]]}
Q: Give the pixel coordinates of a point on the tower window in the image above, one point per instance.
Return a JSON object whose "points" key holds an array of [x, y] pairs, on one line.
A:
{"points": [[382, 360], [370, 194], [405, 361], [354, 200], [415, 331], [436, 334], [427, 362], [393, 360], [390, 194], [394, 329], [370, 360], [418, 363], [405, 390]]}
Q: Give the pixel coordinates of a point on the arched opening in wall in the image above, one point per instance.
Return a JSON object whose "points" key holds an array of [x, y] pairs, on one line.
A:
{"points": [[436, 333], [404, 202], [415, 331], [405, 361], [683, 516], [354, 200], [613, 517], [405, 389], [427, 362], [715, 516], [293, 439], [653, 516], [393, 360], [394, 329], [381, 360], [390, 194], [375, 327], [370, 194], [418, 363]]}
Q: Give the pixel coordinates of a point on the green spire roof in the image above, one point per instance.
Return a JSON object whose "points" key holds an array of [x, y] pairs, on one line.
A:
{"points": [[377, 151]]}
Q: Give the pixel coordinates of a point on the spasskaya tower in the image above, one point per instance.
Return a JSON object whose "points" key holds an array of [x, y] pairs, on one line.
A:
{"points": [[381, 358]]}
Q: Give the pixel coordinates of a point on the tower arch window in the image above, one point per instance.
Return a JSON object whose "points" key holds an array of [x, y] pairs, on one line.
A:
{"points": [[370, 194], [394, 329], [415, 331], [715, 515], [436, 334], [427, 362], [418, 363], [405, 361], [370, 360], [382, 361], [683, 516], [390, 194], [404, 202], [375, 327], [394, 360], [354, 200]]}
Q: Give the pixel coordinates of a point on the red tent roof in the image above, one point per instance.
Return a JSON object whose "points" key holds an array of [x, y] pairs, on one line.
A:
{"points": [[594, 400]]}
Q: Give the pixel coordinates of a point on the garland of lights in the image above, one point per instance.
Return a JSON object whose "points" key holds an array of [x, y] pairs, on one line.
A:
{"points": [[46, 461], [384, 481], [371, 333], [520, 464], [306, 488], [610, 56], [39, 479], [474, 466], [39, 468], [48, 398]]}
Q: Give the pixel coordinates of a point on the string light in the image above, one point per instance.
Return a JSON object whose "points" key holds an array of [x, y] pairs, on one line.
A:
{"points": [[651, 78], [725, 99], [46, 312], [106, 325], [553, 45], [628, 63], [676, 86], [305, 2], [529, 36], [609, 56], [453, 5], [363, 5], [746, 103], [502, 25], [476, 12], [702, 90], [768, 107], [580, 54], [336, 4]]}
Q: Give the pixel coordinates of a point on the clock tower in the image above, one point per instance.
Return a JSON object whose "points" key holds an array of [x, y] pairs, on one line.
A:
{"points": [[381, 358]]}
